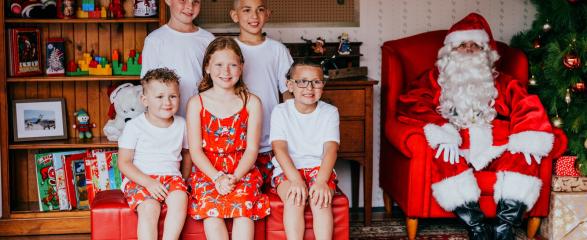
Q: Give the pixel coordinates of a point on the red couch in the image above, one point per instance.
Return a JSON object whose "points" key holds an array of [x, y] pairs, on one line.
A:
{"points": [[113, 219], [405, 162]]}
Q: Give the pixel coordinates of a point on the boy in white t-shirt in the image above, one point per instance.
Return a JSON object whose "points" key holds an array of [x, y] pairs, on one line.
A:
{"points": [[150, 157], [180, 46], [305, 138], [266, 64]]}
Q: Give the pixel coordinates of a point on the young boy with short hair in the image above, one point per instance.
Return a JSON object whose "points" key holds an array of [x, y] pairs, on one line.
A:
{"points": [[305, 138], [266, 64], [150, 157]]}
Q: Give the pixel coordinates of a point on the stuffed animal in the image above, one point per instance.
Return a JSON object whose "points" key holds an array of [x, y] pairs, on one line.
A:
{"points": [[83, 126], [125, 105]]}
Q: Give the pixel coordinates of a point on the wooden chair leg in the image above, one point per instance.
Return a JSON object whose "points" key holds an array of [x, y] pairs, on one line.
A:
{"points": [[387, 203], [533, 225], [412, 227]]}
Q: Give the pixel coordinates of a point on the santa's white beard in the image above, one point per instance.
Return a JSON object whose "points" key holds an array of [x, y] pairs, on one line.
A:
{"points": [[468, 90]]}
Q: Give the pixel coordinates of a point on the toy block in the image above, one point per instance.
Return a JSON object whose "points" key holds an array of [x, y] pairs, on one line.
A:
{"points": [[132, 67], [99, 66]]}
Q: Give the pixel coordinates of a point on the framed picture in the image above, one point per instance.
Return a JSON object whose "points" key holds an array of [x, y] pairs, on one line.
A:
{"points": [[39, 119], [24, 48]]}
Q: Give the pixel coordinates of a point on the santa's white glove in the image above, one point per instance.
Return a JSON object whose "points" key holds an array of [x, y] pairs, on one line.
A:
{"points": [[528, 158], [451, 152]]}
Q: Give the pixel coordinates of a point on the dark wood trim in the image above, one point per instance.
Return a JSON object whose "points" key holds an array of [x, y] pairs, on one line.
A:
{"points": [[46, 225], [4, 122], [71, 79], [82, 20], [100, 142]]}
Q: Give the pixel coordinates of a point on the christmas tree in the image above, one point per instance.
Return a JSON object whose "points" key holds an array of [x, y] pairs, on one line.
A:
{"points": [[556, 47]]}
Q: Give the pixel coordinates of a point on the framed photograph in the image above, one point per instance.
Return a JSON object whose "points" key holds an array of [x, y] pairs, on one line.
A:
{"points": [[24, 48], [39, 119]]}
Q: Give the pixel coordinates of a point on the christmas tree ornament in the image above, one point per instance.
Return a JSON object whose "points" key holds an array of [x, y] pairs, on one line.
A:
{"points": [[585, 144], [557, 121], [573, 1], [571, 60], [546, 27], [579, 87], [536, 43], [568, 96], [532, 81]]}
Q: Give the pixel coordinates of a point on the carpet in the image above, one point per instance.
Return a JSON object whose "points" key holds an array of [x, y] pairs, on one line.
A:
{"points": [[428, 229]]}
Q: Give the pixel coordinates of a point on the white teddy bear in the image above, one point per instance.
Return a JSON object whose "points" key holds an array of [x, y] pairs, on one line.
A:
{"points": [[126, 100]]}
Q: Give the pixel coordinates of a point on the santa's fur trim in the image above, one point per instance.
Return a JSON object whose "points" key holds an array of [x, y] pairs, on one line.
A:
{"points": [[476, 35], [455, 191], [446, 134], [516, 186], [481, 150], [533, 142], [483, 159]]}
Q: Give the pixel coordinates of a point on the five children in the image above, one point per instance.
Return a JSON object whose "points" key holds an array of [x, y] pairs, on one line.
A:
{"points": [[228, 90]]}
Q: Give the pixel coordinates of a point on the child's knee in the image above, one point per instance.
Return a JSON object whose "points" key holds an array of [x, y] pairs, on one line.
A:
{"points": [[149, 207]]}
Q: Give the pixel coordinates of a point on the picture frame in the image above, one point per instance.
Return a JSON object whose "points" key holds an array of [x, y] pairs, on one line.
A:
{"points": [[24, 49], [39, 119]]}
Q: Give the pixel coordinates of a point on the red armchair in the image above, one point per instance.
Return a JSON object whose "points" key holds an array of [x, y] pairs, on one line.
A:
{"points": [[405, 165]]}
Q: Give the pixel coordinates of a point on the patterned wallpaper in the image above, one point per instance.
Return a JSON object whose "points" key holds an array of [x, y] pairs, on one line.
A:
{"points": [[383, 20]]}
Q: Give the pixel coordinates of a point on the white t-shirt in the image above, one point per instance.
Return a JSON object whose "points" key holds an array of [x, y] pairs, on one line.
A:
{"points": [[157, 151], [305, 134], [182, 52], [264, 73]]}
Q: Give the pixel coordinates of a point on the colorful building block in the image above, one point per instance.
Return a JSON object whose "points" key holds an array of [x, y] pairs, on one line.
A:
{"points": [[132, 67]]}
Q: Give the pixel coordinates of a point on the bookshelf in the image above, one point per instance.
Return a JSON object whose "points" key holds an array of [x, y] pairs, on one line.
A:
{"points": [[20, 211]]}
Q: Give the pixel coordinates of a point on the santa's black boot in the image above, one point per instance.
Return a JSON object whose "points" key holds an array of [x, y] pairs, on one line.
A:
{"points": [[470, 213], [509, 215]]}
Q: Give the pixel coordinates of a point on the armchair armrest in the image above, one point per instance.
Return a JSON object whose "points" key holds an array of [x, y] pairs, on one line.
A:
{"points": [[402, 136]]}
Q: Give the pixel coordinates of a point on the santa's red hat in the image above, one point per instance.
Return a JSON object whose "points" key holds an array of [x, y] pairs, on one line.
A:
{"points": [[471, 28]]}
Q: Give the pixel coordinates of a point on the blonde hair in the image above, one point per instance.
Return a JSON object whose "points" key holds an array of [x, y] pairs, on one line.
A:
{"points": [[222, 43], [162, 75]]}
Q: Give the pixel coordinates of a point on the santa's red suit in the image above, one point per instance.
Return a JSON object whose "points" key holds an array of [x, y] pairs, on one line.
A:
{"points": [[486, 125]]}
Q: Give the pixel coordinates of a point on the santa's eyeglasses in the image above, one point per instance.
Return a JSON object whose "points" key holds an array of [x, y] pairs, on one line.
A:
{"points": [[469, 45]]}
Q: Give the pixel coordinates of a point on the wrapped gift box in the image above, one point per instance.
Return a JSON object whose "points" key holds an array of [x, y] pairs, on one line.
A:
{"points": [[565, 166], [567, 218], [569, 184]]}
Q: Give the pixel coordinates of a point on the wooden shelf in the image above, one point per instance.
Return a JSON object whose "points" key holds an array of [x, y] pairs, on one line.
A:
{"points": [[83, 20], [51, 214], [327, 56], [71, 79], [100, 142]]}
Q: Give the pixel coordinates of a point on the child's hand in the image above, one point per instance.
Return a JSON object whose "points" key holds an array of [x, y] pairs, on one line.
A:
{"points": [[298, 193], [320, 195], [223, 185], [157, 190]]}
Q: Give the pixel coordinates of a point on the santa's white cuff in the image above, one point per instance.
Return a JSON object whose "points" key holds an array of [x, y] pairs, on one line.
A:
{"points": [[516, 186], [436, 135], [533, 142], [455, 191]]}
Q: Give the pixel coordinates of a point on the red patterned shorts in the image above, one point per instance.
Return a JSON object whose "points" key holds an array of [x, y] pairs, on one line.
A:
{"points": [[309, 175], [265, 166], [135, 194]]}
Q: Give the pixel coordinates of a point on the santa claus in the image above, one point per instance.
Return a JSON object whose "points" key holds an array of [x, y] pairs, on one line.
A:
{"points": [[477, 118]]}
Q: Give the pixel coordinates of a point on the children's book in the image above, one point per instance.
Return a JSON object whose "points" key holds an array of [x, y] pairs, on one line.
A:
{"points": [[55, 58], [24, 49], [69, 168], [103, 176], [58, 160], [47, 190], [113, 171], [81, 190], [91, 169]]}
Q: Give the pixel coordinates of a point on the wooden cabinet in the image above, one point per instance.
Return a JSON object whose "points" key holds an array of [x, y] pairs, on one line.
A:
{"points": [[20, 211], [354, 100]]}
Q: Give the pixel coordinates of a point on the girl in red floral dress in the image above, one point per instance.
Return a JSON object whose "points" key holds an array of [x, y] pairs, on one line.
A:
{"points": [[224, 126]]}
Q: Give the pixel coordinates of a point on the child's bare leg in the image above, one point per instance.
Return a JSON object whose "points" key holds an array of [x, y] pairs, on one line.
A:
{"points": [[293, 215], [215, 229], [323, 221], [148, 212], [176, 211], [243, 228]]}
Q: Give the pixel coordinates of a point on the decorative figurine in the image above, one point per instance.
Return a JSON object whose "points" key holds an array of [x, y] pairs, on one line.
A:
{"points": [[318, 46], [145, 8], [115, 9], [83, 126], [344, 47]]}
